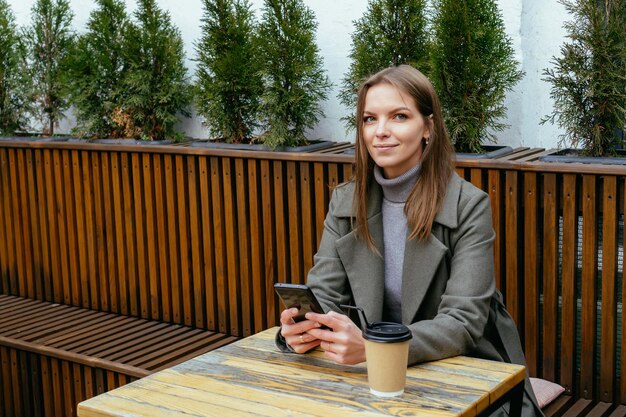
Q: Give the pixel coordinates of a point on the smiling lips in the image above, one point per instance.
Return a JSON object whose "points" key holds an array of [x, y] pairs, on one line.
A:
{"points": [[384, 147]]}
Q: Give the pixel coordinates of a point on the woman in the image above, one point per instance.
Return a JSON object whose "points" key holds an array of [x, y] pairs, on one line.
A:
{"points": [[407, 240]]}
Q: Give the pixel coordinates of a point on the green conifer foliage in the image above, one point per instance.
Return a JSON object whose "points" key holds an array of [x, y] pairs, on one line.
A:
{"points": [[12, 94], [48, 42], [473, 67], [98, 70], [157, 86], [295, 81], [390, 33], [589, 78], [229, 83]]}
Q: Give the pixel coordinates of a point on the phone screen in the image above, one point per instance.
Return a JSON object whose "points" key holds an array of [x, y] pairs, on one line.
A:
{"points": [[299, 296]]}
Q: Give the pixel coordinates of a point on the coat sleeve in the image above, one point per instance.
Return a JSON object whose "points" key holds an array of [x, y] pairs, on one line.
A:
{"points": [[463, 310]]}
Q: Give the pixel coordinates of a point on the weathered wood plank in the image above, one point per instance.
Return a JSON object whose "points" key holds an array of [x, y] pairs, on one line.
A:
{"points": [[550, 279], [532, 322]]}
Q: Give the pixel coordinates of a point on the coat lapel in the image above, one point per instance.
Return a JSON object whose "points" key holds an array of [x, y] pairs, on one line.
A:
{"points": [[423, 258], [421, 261]]}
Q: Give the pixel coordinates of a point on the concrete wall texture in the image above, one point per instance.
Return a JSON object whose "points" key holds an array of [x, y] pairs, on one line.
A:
{"points": [[535, 27]]}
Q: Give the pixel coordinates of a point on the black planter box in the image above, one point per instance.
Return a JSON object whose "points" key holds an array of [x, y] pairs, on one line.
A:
{"points": [[491, 152], [574, 156], [313, 146]]}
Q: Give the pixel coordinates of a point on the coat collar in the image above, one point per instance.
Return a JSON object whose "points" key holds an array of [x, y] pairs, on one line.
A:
{"points": [[447, 215], [366, 270]]}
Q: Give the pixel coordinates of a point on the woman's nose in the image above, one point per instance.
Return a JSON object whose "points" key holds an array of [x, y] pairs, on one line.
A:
{"points": [[381, 128]]}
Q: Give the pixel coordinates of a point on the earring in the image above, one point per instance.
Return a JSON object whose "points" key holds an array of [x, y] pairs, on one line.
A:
{"points": [[427, 141]]}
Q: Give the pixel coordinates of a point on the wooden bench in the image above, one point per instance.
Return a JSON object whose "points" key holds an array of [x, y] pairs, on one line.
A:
{"points": [[59, 355]]}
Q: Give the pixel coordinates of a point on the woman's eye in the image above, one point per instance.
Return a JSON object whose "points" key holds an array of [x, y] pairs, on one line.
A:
{"points": [[368, 119], [400, 116]]}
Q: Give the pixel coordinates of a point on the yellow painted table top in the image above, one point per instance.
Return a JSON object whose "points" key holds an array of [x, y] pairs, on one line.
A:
{"points": [[252, 378]]}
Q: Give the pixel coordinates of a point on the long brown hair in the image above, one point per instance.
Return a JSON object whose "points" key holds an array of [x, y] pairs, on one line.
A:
{"points": [[437, 160]]}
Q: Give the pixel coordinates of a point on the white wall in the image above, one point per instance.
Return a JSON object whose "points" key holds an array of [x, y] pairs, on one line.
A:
{"points": [[535, 27]]}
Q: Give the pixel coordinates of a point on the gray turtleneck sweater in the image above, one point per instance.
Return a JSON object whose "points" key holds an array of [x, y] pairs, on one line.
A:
{"points": [[395, 227]]}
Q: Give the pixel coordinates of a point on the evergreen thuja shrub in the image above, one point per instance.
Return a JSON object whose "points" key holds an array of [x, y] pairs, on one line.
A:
{"points": [[12, 84], [589, 78], [229, 84], [98, 69], [156, 85], [294, 78], [48, 42], [390, 33], [473, 67]]}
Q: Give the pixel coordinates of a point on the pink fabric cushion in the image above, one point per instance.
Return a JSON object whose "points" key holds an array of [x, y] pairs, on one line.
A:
{"points": [[545, 391]]}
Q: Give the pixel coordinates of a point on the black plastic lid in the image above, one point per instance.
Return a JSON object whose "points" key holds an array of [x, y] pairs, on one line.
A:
{"points": [[387, 332]]}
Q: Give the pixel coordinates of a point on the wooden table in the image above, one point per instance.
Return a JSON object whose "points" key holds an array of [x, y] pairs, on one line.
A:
{"points": [[252, 378]]}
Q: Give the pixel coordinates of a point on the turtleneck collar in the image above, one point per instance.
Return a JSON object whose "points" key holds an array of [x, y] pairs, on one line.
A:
{"points": [[397, 189]]}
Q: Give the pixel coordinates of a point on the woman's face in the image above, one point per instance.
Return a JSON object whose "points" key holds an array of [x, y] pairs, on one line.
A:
{"points": [[393, 129]]}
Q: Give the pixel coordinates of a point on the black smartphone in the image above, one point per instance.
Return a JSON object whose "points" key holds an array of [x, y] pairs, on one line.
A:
{"points": [[299, 296]]}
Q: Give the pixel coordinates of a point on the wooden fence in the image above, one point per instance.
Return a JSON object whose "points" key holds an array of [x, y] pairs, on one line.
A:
{"points": [[198, 237]]}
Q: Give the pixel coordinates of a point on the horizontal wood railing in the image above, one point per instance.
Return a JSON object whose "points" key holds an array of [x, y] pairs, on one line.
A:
{"points": [[198, 237]]}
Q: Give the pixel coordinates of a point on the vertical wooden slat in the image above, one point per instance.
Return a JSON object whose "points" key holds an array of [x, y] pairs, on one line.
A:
{"points": [[46, 268], [78, 385], [59, 193], [608, 345], [282, 237], [15, 381], [294, 198], [25, 388], [36, 395], [232, 252], [4, 234], [70, 219], [243, 237], [347, 172], [35, 233], [256, 247], [79, 208], [21, 283], [162, 240], [7, 392], [195, 238], [321, 200], [531, 276], [269, 243], [476, 177], [57, 387], [91, 232], [109, 217], [333, 177], [308, 219], [208, 247], [568, 282], [120, 274], [173, 278], [152, 243], [497, 206], [511, 287], [46, 382], [103, 239], [550, 279], [55, 271], [185, 275], [588, 295], [88, 378], [68, 392], [132, 296], [140, 206], [219, 232]]}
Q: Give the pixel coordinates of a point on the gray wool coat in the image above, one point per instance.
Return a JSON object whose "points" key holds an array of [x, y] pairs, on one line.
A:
{"points": [[449, 298]]}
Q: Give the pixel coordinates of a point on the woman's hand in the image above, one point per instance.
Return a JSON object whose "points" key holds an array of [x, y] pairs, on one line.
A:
{"points": [[344, 344], [297, 335]]}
